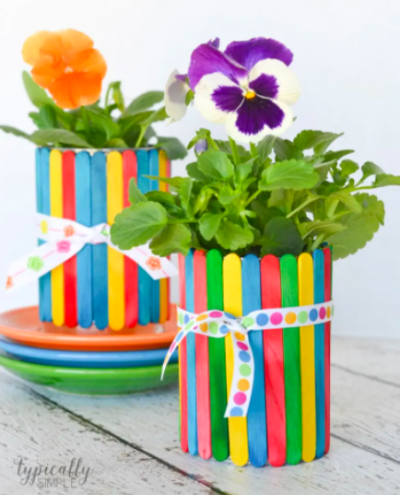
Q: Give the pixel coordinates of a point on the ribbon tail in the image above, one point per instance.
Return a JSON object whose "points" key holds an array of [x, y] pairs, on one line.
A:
{"points": [[177, 340], [39, 262], [243, 376]]}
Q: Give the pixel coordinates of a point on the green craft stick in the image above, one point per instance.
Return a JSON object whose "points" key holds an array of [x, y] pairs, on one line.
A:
{"points": [[291, 349], [218, 387]]}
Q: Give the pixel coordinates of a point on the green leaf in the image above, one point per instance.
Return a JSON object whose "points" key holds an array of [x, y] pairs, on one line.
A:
{"points": [[243, 170], [361, 227], [226, 148], [226, 195], [173, 147], [138, 224], [96, 119], [174, 238], [194, 172], [317, 140], [174, 182], [334, 156], [289, 174], [118, 97], [143, 102], [135, 195], [215, 164], [37, 95], [286, 150], [209, 224], [281, 237], [348, 200], [348, 167], [368, 169], [317, 227], [232, 236], [58, 136], [116, 143], [14, 131], [157, 116], [167, 200], [265, 146], [185, 191], [47, 117], [386, 180]]}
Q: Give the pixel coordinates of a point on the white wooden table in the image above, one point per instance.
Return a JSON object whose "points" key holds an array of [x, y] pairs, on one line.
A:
{"points": [[131, 442]]}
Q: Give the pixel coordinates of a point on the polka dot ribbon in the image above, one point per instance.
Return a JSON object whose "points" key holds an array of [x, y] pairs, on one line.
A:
{"points": [[218, 324]]}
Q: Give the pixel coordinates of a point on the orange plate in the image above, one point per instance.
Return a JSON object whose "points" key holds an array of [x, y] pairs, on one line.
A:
{"points": [[23, 326]]}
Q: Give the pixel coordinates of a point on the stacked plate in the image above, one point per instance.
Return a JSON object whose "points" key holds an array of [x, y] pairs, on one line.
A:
{"points": [[86, 361]]}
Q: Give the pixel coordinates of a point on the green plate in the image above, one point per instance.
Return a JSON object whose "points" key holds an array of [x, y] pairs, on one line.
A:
{"points": [[93, 381]]}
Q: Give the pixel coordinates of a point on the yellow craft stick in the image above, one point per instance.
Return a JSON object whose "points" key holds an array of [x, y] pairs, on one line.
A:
{"points": [[232, 272], [162, 172], [116, 282], [56, 210], [306, 296]]}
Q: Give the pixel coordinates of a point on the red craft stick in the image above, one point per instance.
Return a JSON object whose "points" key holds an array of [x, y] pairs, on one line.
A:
{"points": [[69, 211], [130, 267], [183, 362], [202, 367], [328, 296], [273, 364]]}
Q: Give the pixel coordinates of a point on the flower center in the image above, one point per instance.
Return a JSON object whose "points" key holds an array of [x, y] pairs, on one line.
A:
{"points": [[250, 94]]}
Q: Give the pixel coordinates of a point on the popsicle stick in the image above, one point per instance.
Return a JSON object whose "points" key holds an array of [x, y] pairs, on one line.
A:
{"points": [[273, 364], [164, 171], [217, 362], [130, 267], [319, 340], [291, 351], [116, 285], [183, 390], [99, 252], [69, 211], [154, 301], [191, 359], [202, 359], [43, 206], [232, 271], [307, 352], [328, 296], [56, 210], [83, 184], [144, 279], [256, 416]]}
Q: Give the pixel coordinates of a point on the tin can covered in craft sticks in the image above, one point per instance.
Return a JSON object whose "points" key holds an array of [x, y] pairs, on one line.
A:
{"points": [[99, 286], [288, 416]]}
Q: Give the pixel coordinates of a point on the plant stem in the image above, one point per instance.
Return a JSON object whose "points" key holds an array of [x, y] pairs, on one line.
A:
{"points": [[143, 129], [332, 208], [182, 220], [212, 143], [253, 150], [235, 151], [253, 197], [303, 205], [317, 242]]}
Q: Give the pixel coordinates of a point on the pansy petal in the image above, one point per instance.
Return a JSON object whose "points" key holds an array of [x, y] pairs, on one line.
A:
{"points": [[214, 42], [45, 71], [89, 60], [75, 40], [264, 85], [32, 45], [175, 96], [216, 96], [248, 53], [252, 122], [76, 89], [207, 60], [286, 79]]}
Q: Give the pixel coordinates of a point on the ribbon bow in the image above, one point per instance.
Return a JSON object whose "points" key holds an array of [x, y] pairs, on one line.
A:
{"points": [[218, 324], [64, 239]]}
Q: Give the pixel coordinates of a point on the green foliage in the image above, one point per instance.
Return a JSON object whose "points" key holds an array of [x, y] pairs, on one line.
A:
{"points": [[280, 197], [94, 126]]}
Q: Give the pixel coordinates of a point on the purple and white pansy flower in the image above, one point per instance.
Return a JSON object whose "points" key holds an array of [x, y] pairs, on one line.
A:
{"points": [[176, 91], [249, 87]]}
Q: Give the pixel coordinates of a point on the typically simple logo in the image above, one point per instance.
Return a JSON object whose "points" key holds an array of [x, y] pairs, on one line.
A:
{"points": [[35, 263], [71, 475], [63, 246], [69, 231], [44, 227], [153, 263], [9, 283]]}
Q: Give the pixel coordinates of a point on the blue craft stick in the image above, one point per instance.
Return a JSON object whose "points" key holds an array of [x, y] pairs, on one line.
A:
{"points": [[99, 252], [256, 416], [143, 183], [191, 359], [43, 206], [319, 342], [154, 284], [83, 204]]}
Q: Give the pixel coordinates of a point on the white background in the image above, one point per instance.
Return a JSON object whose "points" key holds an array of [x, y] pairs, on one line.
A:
{"points": [[347, 59]]}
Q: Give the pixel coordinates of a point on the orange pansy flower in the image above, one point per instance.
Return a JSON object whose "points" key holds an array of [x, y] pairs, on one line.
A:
{"points": [[66, 64]]}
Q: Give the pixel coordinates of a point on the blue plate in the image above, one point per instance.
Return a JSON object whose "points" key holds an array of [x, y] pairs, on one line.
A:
{"points": [[82, 359]]}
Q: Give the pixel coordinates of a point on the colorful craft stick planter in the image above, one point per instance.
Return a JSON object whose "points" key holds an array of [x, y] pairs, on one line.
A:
{"points": [[285, 416], [99, 285]]}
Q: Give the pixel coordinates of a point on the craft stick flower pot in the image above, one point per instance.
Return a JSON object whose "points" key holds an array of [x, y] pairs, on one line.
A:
{"points": [[288, 419], [99, 285]]}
